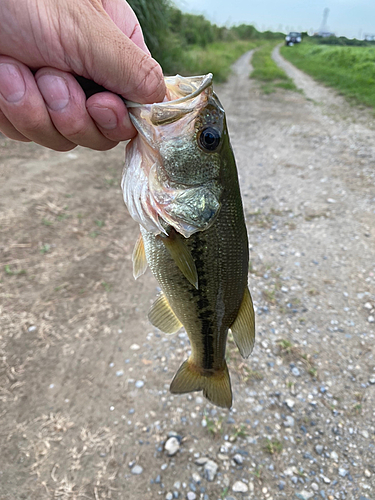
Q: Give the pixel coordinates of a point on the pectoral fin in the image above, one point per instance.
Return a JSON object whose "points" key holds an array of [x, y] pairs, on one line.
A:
{"points": [[180, 253], [139, 258], [162, 316], [243, 328]]}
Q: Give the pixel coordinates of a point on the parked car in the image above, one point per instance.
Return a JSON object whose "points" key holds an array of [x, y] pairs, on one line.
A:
{"points": [[293, 38]]}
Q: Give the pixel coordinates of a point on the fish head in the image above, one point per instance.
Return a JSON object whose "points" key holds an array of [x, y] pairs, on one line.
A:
{"points": [[173, 167]]}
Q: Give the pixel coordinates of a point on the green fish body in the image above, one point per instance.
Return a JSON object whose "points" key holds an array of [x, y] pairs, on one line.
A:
{"points": [[193, 233]]}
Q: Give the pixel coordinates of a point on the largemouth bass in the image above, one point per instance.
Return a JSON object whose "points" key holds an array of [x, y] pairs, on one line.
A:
{"points": [[180, 184]]}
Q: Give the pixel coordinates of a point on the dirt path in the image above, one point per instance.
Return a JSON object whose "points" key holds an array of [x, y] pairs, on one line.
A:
{"points": [[85, 407]]}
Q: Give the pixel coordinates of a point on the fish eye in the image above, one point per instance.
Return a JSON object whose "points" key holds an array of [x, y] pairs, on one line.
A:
{"points": [[209, 139]]}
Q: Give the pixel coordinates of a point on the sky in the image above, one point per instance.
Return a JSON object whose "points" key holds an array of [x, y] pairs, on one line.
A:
{"points": [[351, 18]]}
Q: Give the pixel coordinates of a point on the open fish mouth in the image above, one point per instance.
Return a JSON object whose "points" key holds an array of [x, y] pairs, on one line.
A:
{"points": [[157, 190]]}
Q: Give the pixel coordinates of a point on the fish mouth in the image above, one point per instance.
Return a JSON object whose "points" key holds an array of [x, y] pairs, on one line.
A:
{"points": [[180, 89]]}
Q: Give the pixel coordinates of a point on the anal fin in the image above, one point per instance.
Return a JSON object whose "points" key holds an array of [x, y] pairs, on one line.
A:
{"points": [[162, 316], [180, 253], [139, 258], [214, 384], [243, 328]]}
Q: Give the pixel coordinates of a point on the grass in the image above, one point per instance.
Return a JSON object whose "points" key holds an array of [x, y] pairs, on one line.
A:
{"points": [[273, 447], [215, 58], [268, 72], [350, 70]]}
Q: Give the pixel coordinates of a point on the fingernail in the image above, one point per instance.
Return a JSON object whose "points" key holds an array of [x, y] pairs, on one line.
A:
{"points": [[54, 90], [104, 117], [12, 84]]}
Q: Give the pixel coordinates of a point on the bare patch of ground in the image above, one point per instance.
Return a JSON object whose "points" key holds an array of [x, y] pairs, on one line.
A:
{"points": [[84, 377]]}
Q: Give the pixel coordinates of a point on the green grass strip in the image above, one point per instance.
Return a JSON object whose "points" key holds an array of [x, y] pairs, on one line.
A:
{"points": [[268, 72], [215, 58], [350, 70]]}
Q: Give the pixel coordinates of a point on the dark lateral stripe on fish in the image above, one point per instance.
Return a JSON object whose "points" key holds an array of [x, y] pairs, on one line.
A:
{"points": [[204, 313]]}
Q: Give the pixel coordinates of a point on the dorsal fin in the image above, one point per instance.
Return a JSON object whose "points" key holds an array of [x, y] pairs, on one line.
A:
{"points": [[139, 258], [180, 253], [162, 316], [243, 328]]}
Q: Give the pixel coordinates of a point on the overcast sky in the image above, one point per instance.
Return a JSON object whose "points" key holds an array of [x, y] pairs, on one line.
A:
{"points": [[352, 18]]}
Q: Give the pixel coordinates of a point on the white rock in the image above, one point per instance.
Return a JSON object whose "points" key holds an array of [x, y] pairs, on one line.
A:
{"points": [[238, 459], [371, 319], [342, 472], [289, 421], [290, 403], [367, 473], [368, 306], [334, 456], [305, 495], [210, 470], [191, 495], [365, 434], [172, 446], [240, 487], [137, 469], [134, 347], [196, 477]]}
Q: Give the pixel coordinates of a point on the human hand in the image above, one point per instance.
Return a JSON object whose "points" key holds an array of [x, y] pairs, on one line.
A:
{"points": [[98, 39]]}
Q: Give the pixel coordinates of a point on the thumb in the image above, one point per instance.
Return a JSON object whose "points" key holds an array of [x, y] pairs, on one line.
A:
{"points": [[113, 60]]}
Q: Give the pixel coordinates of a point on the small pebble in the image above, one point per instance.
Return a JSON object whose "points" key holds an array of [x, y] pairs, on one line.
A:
{"points": [[296, 371], [367, 473], [334, 456], [172, 446], [319, 449], [289, 421], [210, 470], [238, 459], [304, 495], [290, 403], [169, 496], [137, 469], [191, 495], [342, 472], [240, 487], [139, 384], [134, 347]]}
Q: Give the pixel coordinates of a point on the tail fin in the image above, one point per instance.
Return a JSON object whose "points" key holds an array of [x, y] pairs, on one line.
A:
{"points": [[215, 385]]}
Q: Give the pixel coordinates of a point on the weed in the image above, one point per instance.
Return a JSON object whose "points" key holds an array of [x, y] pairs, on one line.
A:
{"points": [[62, 217], [47, 222], [11, 272], [107, 286], [224, 492], [94, 234], [273, 447], [249, 374], [100, 223], [45, 248], [357, 409], [269, 296], [239, 432]]}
